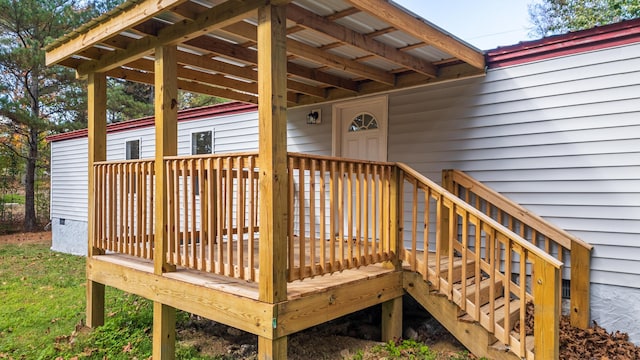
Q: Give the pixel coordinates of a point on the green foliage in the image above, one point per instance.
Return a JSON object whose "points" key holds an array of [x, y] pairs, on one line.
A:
{"points": [[550, 17], [128, 100], [42, 312], [190, 100]]}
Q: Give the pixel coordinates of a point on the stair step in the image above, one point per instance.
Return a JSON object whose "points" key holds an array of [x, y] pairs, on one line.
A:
{"points": [[457, 269], [499, 314], [485, 292]]}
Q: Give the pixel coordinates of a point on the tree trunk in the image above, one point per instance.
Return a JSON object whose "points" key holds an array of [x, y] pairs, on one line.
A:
{"points": [[29, 183]]}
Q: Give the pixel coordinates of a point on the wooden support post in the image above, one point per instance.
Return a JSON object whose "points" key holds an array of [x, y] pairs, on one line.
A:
{"points": [[580, 285], [164, 331], [546, 315], [166, 123], [392, 319], [273, 181], [97, 137]]}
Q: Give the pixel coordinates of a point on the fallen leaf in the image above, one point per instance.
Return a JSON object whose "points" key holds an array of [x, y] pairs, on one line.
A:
{"points": [[127, 348]]}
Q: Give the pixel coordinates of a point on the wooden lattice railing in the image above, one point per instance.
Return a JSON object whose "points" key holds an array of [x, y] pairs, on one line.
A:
{"points": [[345, 214], [123, 216], [340, 214], [499, 271], [573, 252], [213, 218]]}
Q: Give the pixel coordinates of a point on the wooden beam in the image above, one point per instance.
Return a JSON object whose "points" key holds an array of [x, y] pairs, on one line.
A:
{"points": [[219, 16], [272, 145], [175, 290], [345, 35], [226, 49], [310, 310], [392, 319], [580, 285], [273, 180], [166, 124], [419, 29], [403, 81], [245, 72], [546, 294], [314, 54], [164, 331], [97, 138], [195, 87], [109, 27]]}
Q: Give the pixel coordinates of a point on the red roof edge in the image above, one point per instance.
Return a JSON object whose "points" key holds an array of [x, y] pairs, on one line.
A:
{"points": [[228, 108], [601, 37]]}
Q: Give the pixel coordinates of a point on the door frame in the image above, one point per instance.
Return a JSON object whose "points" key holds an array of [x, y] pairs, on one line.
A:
{"points": [[336, 125]]}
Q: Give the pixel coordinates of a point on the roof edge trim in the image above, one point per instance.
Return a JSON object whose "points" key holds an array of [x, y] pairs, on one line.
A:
{"points": [[229, 108], [601, 37]]}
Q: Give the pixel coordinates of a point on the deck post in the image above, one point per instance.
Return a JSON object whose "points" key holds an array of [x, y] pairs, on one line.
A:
{"points": [[273, 182], [580, 285], [97, 138], [166, 124], [392, 319], [547, 302]]}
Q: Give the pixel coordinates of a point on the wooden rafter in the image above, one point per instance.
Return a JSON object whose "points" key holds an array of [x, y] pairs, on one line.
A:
{"points": [[314, 54], [222, 15], [110, 27], [226, 49], [315, 22], [421, 30]]}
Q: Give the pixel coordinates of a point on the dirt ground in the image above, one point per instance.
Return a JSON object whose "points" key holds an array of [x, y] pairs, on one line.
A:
{"points": [[338, 339], [344, 337]]}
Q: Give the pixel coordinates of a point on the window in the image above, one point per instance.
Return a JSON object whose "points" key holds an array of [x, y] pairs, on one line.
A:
{"points": [[132, 149], [201, 142], [132, 152], [363, 121]]}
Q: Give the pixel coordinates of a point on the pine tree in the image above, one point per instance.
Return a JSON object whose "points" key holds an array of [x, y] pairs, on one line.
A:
{"points": [[34, 98]]}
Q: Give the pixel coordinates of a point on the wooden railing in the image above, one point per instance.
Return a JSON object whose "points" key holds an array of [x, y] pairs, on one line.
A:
{"points": [[445, 232], [123, 214], [213, 217], [573, 252], [340, 214]]}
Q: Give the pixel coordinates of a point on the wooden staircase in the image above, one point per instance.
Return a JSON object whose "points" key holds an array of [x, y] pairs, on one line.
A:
{"points": [[475, 261]]}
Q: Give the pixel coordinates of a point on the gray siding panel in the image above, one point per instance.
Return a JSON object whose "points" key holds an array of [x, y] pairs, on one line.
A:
{"points": [[69, 179], [560, 136]]}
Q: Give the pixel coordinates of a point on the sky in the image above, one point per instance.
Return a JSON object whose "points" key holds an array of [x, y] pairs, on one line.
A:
{"points": [[486, 24]]}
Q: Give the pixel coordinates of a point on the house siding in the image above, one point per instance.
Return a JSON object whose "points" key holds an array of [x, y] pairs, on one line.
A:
{"points": [[561, 137]]}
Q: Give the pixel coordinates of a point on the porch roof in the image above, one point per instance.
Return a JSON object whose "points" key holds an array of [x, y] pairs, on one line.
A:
{"points": [[336, 48]]}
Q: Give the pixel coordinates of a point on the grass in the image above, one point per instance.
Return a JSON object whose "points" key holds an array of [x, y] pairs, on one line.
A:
{"points": [[408, 349], [12, 198], [42, 315], [42, 312]]}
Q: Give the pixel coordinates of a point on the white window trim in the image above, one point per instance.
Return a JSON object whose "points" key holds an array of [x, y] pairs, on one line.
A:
{"points": [[213, 139], [139, 139]]}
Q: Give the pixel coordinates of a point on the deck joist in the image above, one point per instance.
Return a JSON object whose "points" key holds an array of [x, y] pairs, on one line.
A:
{"points": [[234, 302]]}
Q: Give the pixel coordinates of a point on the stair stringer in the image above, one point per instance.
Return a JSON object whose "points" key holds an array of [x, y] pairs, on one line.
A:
{"points": [[473, 336]]}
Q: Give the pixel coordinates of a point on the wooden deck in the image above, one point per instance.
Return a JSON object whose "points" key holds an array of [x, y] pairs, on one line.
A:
{"points": [[235, 301], [463, 254]]}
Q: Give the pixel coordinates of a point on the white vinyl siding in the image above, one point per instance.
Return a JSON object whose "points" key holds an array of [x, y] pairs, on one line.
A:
{"points": [[559, 136], [233, 133], [69, 179]]}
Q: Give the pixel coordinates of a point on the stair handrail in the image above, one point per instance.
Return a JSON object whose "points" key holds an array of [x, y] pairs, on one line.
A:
{"points": [[482, 216], [580, 251], [546, 269]]}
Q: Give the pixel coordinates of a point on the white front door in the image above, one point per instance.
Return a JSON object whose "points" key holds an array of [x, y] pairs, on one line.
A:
{"points": [[360, 129]]}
